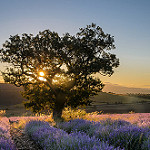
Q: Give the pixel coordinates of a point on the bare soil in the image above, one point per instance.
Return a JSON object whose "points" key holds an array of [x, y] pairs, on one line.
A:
{"points": [[22, 141]]}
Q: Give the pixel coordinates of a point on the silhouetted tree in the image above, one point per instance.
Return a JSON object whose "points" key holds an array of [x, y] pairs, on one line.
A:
{"points": [[68, 64]]}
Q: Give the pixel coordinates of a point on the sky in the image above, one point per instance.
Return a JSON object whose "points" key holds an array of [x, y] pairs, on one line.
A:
{"points": [[127, 20]]}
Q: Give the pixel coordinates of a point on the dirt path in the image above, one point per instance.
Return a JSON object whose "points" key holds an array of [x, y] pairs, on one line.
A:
{"points": [[22, 141]]}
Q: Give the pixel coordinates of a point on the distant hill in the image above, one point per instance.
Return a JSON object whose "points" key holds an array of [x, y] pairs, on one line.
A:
{"points": [[10, 94], [124, 90]]}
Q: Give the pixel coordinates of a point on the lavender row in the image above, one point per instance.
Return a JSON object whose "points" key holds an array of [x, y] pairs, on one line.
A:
{"points": [[5, 139], [115, 132], [51, 138]]}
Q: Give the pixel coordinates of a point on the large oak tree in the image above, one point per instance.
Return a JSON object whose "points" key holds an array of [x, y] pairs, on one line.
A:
{"points": [[59, 71]]}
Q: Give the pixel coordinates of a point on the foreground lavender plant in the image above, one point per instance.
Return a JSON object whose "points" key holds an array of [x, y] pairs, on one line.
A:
{"points": [[146, 144], [116, 132], [115, 123], [50, 138], [81, 140], [75, 125], [6, 144], [5, 139], [130, 137], [103, 129], [99, 129]]}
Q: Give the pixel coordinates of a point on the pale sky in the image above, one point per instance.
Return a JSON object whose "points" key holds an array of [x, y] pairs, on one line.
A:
{"points": [[127, 20]]}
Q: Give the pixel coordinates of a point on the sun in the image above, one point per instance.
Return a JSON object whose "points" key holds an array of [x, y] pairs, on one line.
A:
{"points": [[41, 73], [41, 76]]}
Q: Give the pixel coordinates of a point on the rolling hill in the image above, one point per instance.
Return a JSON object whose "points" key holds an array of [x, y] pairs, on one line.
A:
{"points": [[111, 98], [10, 94]]}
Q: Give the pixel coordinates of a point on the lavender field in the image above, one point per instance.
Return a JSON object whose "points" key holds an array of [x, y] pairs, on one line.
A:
{"points": [[84, 131]]}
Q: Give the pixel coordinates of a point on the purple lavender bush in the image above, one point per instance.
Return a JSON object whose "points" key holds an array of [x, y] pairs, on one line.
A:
{"points": [[50, 138], [5, 141], [99, 129], [116, 132], [102, 129], [129, 137], [122, 133], [146, 144], [6, 144], [3, 133], [33, 126], [81, 140], [75, 141], [75, 125], [115, 123]]}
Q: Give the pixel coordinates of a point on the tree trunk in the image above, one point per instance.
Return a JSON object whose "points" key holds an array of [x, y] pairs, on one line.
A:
{"points": [[57, 114], [59, 106]]}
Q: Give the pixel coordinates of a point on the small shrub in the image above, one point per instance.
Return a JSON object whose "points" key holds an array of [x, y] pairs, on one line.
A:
{"points": [[70, 114]]}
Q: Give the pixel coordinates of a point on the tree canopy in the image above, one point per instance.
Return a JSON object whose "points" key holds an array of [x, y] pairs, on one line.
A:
{"points": [[58, 71]]}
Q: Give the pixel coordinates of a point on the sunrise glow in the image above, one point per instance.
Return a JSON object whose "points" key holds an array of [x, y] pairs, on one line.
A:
{"points": [[41, 73]]}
